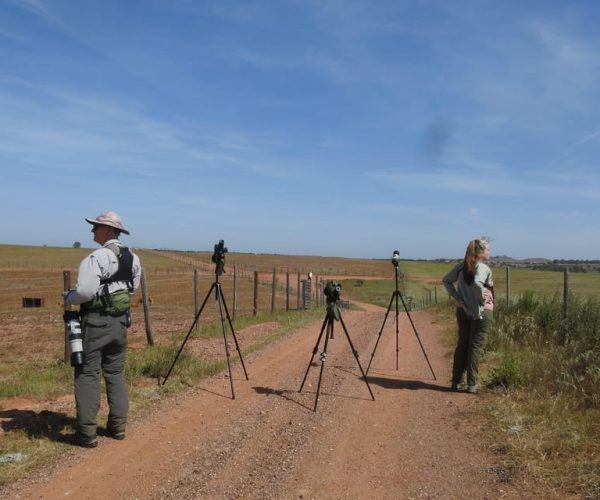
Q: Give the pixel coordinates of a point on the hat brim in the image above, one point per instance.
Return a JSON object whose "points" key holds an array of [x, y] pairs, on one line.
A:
{"points": [[102, 223]]}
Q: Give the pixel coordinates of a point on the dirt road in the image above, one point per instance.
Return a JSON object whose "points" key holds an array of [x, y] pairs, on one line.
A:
{"points": [[411, 442]]}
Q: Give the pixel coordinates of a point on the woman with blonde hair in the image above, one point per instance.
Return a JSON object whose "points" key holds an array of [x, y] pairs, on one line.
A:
{"points": [[470, 284]]}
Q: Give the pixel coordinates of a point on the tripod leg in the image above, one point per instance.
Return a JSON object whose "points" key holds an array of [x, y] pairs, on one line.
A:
{"points": [[417, 335], [188, 333], [381, 331], [328, 335], [314, 352], [227, 353], [237, 345], [396, 293], [356, 356]]}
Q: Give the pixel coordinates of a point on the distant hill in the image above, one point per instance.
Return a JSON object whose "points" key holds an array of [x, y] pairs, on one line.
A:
{"points": [[505, 259]]}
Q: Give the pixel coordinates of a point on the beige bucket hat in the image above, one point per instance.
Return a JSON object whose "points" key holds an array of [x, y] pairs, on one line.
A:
{"points": [[111, 219]]}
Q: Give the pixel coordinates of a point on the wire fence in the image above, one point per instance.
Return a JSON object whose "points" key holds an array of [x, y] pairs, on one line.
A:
{"points": [[32, 304], [177, 289], [31, 300], [171, 289]]}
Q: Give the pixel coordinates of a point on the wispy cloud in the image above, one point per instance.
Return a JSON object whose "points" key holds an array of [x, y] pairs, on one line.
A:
{"points": [[37, 7], [501, 183], [591, 137], [572, 62], [52, 126], [436, 118]]}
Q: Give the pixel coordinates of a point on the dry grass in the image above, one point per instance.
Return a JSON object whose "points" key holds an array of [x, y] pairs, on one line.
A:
{"points": [[544, 434], [547, 438], [545, 416]]}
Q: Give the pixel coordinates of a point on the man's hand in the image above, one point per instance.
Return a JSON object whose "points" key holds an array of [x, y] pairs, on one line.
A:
{"points": [[66, 296]]}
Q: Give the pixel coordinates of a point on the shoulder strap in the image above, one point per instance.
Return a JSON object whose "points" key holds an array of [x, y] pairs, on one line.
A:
{"points": [[125, 270]]}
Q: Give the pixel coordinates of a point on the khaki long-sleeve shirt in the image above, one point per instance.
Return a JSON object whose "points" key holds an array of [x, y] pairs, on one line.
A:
{"points": [[101, 264]]}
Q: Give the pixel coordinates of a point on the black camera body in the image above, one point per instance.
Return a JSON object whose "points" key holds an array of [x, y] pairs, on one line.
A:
{"points": [[332, 292], [219, 257]]}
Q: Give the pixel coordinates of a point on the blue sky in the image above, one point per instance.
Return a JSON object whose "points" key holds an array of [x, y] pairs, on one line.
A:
{"points": [[343, 127]]}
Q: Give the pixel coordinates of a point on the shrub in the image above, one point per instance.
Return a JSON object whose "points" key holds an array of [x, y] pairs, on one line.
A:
{"points": [[506, 374], [559, 357], [550, 369]]}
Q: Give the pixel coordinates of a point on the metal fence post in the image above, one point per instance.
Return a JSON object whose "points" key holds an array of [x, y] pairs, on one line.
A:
{"points": [[507, 285], [565, 312]]}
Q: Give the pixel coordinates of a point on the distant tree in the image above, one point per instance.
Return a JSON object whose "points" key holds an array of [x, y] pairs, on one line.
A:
{"points": [[77, 244]]}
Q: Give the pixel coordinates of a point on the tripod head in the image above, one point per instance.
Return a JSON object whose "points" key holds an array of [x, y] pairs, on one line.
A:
{"points": [[219, 257]]}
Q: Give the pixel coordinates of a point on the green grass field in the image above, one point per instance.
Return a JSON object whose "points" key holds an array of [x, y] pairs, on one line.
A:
{"points": [[546, 283]]}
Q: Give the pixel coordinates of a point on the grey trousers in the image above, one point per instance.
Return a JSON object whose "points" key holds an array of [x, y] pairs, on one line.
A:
{"points": [[105, 348], [472, 334]]}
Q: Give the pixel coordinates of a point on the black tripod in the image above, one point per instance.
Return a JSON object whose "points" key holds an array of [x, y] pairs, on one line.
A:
{"points": [[219, 259], [395, 296], [333, 313]]}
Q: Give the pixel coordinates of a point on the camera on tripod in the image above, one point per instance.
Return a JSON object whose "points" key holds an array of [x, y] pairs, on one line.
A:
{"points": [[332, 292], [219, 257], [396, 258]]}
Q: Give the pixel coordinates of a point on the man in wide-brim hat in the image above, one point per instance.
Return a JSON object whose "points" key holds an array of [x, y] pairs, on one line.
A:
{"points": [[107, 279]]}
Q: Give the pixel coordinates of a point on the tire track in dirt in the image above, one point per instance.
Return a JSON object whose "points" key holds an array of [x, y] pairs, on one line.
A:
{"points": [[268, 443]]}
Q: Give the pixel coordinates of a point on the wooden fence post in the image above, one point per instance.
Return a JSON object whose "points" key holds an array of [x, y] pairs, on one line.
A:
{"points": [[298, 306], [320, 287], [435, 293], [273, 290], [234, 291], [147, 319], [196, 297], [66, 288], [287, 291], [255, 310]]}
